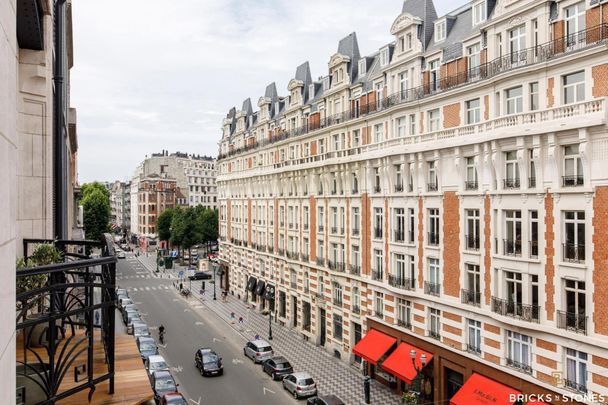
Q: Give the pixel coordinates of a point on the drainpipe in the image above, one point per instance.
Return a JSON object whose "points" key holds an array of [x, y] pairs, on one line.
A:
{"points": [[59, 135]]}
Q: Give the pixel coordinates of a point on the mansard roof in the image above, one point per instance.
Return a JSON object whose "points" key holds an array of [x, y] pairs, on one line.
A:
{"points": [[349, 46], [425, 10]]}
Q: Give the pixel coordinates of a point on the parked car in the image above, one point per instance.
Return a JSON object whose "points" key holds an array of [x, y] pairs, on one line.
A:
{"points": [[208, 362], [155, 363], [124, 246], [162, 384], [146, 346], [128, 307], [173, 398], [133, 318], [258, 350], [127, 313], [201, 275], [140, 329], [121, 291], [124, 301], [277, 367], [300, 385], [325, 400]]}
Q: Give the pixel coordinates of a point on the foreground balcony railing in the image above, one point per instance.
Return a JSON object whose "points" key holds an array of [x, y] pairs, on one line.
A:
{"points": [[538, 54], [572, 321], [57, 322], [401, 282], [470, 297], [524, 312]]}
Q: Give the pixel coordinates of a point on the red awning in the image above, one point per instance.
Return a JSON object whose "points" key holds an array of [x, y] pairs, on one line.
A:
{"points": [[373, 346], [399, 363], [480, 390]]}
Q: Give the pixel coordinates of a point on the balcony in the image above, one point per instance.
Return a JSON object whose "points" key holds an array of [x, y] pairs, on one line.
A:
{"points": [[531, 182], [320, 261], [356, 309], [270, 249], [511, 247], [523, 367], [470, 297], [292, 255], [337, 302], [378, 233], [321, 228], [281, 252], [293, 285], [533, 249], [432, 288], [355, 191], [509, 184], [355, 231], [572, 321], [355, 269], [432, 239], [399, 236], [404, 323], [434, 334], [470, 185], [573, 181], [305, 226], [575, 386], [379, 314], [341, 231], [334, 230], [523, 312], [398, 188], [401, 282], [472, 242], [554, 49], [431, 187], [377, 275], [304, 257], [377, 189], [573, 253], [474, 349]]}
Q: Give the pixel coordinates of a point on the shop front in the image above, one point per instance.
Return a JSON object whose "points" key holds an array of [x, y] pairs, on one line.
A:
{"points": [[444, 376]]}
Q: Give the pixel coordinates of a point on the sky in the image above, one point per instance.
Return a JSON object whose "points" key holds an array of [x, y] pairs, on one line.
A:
{"points": [[150, 75]]}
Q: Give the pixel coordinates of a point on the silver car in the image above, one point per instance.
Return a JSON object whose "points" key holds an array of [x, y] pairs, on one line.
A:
{"points": [[140, 329], [155, 363], [258, 350], [300, 385]]}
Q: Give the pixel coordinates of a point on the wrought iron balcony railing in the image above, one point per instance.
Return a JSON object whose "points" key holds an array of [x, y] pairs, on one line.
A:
{"points": [[572, 321], [511, 247], [432, 187], [433, 238], [355, 231], [377, 275], [472, 242], [432, 288], [524, 312], [398, 188], [356, 309], [533, 249], [573, 253], [531, 182], [355, 269], [474, 348], [576, 386], [524, 367], [320, 261], [470, 185], [573, 181], [470, 297], [404, 323], [401, 282], [434, 334]]}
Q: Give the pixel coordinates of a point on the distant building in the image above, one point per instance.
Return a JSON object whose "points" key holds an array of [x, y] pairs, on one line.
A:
{"points": [[120, 205], [155, 195]]}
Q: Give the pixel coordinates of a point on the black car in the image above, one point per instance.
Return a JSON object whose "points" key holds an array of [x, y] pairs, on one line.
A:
{"points": [[208, 362], [201, 275], [162, 383], [325, 400], [277, 367]]}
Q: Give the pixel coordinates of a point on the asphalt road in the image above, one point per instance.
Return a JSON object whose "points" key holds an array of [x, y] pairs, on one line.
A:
{"points": [[189, 326]]}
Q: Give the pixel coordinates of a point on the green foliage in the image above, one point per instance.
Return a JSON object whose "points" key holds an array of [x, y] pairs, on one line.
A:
{"points": [[208, 224], [177, 227], [164, 224], [96, 213], [44, 254], [88, 188]]}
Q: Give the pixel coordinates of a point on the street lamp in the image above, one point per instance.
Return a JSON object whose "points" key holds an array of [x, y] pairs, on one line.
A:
{"points": [[418, 369], [214, 267], [269, 325]]}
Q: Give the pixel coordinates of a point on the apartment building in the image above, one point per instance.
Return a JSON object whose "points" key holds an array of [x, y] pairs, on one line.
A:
{"points": [[156, 194], [446, 194], [120, 206]]}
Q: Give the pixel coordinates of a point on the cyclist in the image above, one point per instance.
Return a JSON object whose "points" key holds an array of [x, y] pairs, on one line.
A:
{"points": [[161, 333]]}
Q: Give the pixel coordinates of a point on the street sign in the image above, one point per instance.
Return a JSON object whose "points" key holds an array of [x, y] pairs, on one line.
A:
{"points": [[181, 274]]}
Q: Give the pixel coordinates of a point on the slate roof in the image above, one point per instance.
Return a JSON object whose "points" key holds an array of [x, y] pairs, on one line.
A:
{"points": [[303, 75], [349, 46], [425, 10], [459, 27]]}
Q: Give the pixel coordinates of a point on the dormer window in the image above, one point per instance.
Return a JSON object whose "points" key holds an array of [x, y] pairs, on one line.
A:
{"points": [[276, 107], [326, 83], [402, 44], [384, 57], [440, 31], [362, 67], [408, 42], [479, 12], [311, 91]]}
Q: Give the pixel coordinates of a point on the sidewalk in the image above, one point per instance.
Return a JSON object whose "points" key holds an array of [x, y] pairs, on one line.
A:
{"points": [[331, 375]]}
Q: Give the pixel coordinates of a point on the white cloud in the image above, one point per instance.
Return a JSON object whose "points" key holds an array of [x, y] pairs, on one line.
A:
{"points": [[152, 74]]}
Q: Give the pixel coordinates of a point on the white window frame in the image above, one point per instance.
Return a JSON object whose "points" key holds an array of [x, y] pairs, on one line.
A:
{"points": [[576, 371], [401, 126], [479, 13], [514, 103], [574, 92], [474, 335], [440, 30], [434, 120], [519, 348], [473, 112]]}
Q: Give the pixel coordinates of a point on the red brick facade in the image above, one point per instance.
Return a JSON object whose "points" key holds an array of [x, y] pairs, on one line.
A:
{"points": [[549, 254], [451, 244], [600, 260]]}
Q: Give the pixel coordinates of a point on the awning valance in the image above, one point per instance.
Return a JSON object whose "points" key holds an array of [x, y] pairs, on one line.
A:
{"points": [[252, 283], [399, 363], [259, 290], [373, 346]]}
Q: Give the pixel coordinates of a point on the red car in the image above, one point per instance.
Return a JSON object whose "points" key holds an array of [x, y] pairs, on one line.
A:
{"points": [[173, 398]]}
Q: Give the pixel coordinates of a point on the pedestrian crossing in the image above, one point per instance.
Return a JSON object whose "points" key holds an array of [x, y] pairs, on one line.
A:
{"points": [[149, 288], [145, 277]]}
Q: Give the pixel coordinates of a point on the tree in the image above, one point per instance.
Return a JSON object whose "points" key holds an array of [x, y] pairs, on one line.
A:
{"points": [[191, 232], [208, 224], [164, 225], [88, 188], [177, 227], [96, 213]]}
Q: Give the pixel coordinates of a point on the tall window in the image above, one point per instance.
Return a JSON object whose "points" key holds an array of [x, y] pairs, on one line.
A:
{"points": [[355, 258], [473, 54], [434, 74], [412, 124], [471, 182], [517, 43], [575, 20], [512, 242], [356, 299], [440, 31], [337, 294], [379, 303], [434, 323], [472, 237], [434, 120], [474, 336], [378, 264], [574, 243], [321, 217], [399, 225], [519, 351], [356, 136], [576, 370], [376, 180], [401, 272], [573, 167], [404, 313], [576, 307], [574, 87], [378, 133], [472, 295], [337, 327], [533, 229], [403, 84], [433, 286], [534, 96], [432, 181], [473, 111], [433, 236], [355, 224], [401, 126], [514, 100], [479, 13], [411, 224], [398, 179], [511, 170], [378, 222]]}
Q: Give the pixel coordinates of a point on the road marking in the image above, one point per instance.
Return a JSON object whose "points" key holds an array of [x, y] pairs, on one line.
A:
{"points": [[134, 288], [216, 340], [177, 369], [266, 389], [175, 299], [186, 310], [147, 288], [236, 361], [199, 323], [195, 402]]}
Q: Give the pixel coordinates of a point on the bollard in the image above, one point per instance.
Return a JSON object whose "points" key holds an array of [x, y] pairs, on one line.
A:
{"points": [[367, 389]]}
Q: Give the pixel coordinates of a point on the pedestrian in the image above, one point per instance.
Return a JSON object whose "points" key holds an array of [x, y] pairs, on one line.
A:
{"points": [[181, 285], [232, 317], [240, 320], [257, 337]]}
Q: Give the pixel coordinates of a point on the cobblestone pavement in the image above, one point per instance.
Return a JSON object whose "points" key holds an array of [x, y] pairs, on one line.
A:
{"points": [[332, 375]]}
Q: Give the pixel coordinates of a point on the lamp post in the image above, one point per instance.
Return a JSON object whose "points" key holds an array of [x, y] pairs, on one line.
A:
{"points": [[416, 381], [269, 325], [214, 267]]}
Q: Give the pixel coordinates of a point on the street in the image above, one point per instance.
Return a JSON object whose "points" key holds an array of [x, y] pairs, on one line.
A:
{"points": [[189, 326]]}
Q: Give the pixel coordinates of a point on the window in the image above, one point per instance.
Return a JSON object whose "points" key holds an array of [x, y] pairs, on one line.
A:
{"points": [[379, 94], [404, 313], [434, 323], [356, 299], [398, 179], [433, 236], [473, 54], [433, 285], [325, 84], [472, 294], [433, 118], [403, 84], [321, 218], [432, 180], [412, 124], [440, 31], [337, 294], [434, 74], [355, 224], [473, 111], [517, 44], [511, 170], [320, 287], [401, 127], [479, 13], [474, 336], [574, 232], [379, 303], [575, 21], [384, 57], [519, 351], [378, 222], [574, 87], [362, 67], [411, 224], [534, 96], [472, 224], [576, 370], [337, 327], [356, 138], [378, 133], [575, 317], [471, 169], [408, 41], [399, 224], [376, 180], [514, 100], [573, 167], [378, 264], [533, 216], [355, 258], [512, 242]]}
